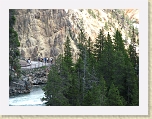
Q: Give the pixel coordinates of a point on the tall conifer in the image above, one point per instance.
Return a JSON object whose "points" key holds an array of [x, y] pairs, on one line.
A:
{"points": [[14, 44]]}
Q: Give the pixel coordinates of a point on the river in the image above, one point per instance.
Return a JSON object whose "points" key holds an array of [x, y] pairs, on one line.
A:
{"points": [[31, 99]]}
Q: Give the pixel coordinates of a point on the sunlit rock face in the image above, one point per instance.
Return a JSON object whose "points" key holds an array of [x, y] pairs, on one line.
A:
{"points": [[42, 32]]}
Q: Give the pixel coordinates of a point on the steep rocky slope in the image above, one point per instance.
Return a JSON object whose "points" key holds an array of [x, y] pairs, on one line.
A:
{"points": [[42, 32]]}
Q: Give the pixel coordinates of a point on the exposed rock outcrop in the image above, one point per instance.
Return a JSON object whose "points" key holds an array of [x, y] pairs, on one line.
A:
{"points": [[42, 32], [19, 87], [133, 14], [31, 77]]}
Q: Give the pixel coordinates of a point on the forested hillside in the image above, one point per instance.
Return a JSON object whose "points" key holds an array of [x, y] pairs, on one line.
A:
{"points": [[105, 73]]}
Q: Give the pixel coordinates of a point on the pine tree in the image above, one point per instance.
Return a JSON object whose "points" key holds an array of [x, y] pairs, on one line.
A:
{"points": [[61, 77], [73, 92], [98, 92], [68, 54], [14, 43], [89, 47], [114, 98], [120, 60], [109, 80], [107, 59], [92, 98], [54, 89], [131, 85], [134, 58], [125, 67], [103, 92], [90, 57], [118, 42], [88, 99], [82, 64], [99, 45], [79, 72], [118, 71], [135, 93]]}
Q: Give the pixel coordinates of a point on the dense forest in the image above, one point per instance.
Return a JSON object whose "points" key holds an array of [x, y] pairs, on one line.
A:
{"points": [[105, 73]]}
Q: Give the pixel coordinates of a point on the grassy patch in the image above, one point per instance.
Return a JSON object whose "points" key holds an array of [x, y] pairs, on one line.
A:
{"points": [[91, 13]]}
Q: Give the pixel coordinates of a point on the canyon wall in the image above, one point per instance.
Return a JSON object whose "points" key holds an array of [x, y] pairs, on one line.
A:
{"points": [[42, 32]]}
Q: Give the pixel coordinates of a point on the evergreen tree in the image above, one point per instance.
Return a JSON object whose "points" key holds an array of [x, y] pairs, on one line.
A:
{"points": [[118, 71], [88, 99], [73, 92], [14, 43], [123, 66], [120, 60], [82, 44], [135, 93], [118, 42], [131, 87], [98, 93], [109, 80], [90, 57], [99, 44], [68, 54], [54, 89], [61, 77], [89, 47], [67, 72], [82, 64], [99, 47], [94, 95], [79, 71], [107, 59], [132, 53], [103, 92], [114, 98]]}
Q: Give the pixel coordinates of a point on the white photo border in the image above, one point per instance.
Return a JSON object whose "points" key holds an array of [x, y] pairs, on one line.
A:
{"points": [[142, 109]]}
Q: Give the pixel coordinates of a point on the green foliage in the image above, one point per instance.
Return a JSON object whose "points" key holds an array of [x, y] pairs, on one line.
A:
{"points": [[54, 89], [73, 92], [103, 92], [118, 70], [106, 26], [135, 93], [114, 96], [96, 95], [118, 41], [107, 59], [99, 44], [103, 74], [91, 13], [68, 54], [14, 43], [136, 31], [132, 51], [43, 67]]}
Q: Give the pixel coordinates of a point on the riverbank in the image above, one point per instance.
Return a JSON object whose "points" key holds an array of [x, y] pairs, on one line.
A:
{"points": [[29, 77], [30, 99], [19, 87]]}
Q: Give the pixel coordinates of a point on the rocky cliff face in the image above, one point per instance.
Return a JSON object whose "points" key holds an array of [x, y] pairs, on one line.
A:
{"points": [[42, 32], [133, 14]]}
